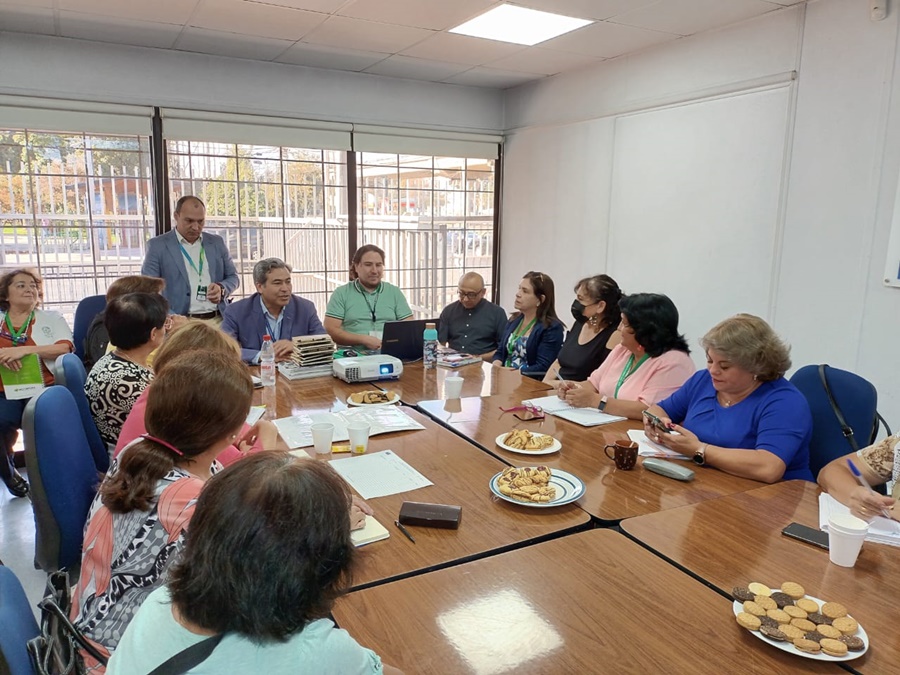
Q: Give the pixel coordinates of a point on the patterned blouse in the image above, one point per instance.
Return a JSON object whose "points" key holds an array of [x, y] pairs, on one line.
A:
{"points": [[126, 557], [112, 387], [883, 458]]}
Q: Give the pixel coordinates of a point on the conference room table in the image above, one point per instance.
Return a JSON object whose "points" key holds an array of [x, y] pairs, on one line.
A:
{"points": [[479, 379], [737, 539], [610, 494], [586, 603]]}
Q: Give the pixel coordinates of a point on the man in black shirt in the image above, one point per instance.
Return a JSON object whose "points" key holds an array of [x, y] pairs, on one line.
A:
{"points": [[472, 324]]}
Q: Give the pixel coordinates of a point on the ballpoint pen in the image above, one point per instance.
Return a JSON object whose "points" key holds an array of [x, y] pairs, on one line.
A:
{"points": [[862, 481], [404, 531]]}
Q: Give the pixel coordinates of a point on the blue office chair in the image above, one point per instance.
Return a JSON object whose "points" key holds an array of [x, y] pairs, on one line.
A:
{"points": [[87, 309], [62, 475], [856, 400], [70, 374], [17, 625]]}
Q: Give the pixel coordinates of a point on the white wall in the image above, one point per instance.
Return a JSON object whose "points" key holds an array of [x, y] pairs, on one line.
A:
{"points": [[811, 262], [76, 69]]}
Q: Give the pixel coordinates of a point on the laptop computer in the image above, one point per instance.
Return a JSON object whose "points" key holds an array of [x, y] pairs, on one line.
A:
{"points": [[404, 339]]}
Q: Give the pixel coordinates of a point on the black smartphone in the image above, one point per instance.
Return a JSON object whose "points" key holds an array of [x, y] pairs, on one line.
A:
{"points": [[657, 423], [807, 535]]}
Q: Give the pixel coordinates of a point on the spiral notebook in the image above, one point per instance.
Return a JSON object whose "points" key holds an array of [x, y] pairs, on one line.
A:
{"points": [[586, 417]]}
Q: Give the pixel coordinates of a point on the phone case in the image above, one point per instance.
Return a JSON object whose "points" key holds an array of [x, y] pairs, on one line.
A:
{"points": [[668, 469]]}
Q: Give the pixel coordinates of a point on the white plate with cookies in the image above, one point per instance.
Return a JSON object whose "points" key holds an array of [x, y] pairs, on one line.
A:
{"points": [[543, 444], [845, 622], [373, 397], [567, 488]]}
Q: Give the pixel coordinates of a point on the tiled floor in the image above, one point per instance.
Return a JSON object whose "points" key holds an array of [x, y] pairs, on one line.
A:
{"points": [[17, 544]]}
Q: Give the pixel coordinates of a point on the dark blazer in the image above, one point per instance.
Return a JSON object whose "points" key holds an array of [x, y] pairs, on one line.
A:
{"points": [[541, 348], [244, 321], [164, 259]]}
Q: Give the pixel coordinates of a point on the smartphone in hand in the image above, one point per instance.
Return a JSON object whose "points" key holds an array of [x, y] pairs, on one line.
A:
{"points": [[657, 423]]}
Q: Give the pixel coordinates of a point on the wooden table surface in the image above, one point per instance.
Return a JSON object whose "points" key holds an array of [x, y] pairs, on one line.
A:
{"points": [[461, 473], [586, 603], [610, 494], [317, 394], [480, 379], [737, 539]]}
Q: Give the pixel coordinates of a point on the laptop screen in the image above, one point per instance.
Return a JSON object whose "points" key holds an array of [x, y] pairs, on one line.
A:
{"points": [[405, 339]]}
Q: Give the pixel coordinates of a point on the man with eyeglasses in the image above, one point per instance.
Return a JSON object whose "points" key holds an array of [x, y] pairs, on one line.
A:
{"points": [[472, 324]]}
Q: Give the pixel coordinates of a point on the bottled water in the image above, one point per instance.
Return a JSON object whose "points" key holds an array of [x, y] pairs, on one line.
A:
{"points": [[267, 362]]}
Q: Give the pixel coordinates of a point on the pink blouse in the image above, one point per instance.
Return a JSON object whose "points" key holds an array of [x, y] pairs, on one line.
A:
{"points": [[134, 427], [654, 380]]}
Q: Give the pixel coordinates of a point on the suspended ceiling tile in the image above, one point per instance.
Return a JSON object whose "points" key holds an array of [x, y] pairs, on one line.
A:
{"points": [[221, 43], [322, 56], [544, 61], [342, 31], [161, 11], [493, 78], [416, 69], [462, 49], [433, 14], [118, 31], [686, 17], [253, 18], [607, 40]]}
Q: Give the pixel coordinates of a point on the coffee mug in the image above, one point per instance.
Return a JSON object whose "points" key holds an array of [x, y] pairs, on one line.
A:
{"points": [[624, 454]]}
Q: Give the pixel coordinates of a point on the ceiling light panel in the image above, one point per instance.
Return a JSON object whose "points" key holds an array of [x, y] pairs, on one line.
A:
{"points": [[509, 23]]}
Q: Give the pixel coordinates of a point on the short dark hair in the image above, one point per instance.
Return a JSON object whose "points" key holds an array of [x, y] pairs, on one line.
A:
{"points": [[134, 283], [268, 549], [358, 256], [129, 319], [263, 267], [6, 282], [182, 411], [603, 288], [654, 319], [545, 290], [183, 200]]}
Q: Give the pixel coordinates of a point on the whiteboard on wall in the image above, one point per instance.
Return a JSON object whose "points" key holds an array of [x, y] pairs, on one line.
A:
{"points": [[695, 205]]}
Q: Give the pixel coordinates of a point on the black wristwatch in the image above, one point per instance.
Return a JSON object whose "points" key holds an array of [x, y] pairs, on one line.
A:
{"points": [[602, 405], [700, 456]]}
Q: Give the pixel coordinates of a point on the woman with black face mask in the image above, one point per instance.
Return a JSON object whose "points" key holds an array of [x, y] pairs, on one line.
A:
{"points": [[596, 313]]}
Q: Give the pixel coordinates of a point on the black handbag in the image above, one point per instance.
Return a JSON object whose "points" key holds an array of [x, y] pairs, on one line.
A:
{"points": [[55, 650]]}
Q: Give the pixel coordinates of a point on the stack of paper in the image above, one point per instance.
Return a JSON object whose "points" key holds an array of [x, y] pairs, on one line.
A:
{"points": [[450, 358], [379, 474], [586, 417], [881, 530], [292, 371], [382, 419]]}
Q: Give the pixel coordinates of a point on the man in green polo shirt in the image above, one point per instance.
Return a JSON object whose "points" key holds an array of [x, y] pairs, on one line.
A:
{"points": [[357, 311]]}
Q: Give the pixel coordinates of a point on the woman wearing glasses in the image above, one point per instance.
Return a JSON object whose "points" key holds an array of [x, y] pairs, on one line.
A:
{"points": [[136, 324], [596, 313], [651, 362], [25, 331], [534, 334]]}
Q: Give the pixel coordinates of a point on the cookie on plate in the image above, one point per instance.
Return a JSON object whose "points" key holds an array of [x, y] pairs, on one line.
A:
{"points": [[828, 631], [773, 633], [765, 601], [742, 594], [834, 610], [791, 631], [807, 605], [793, 589], [804, 624], [846, 624], [748, 621], [779, 615], [854, 643], [753, 608], [759, 589], [833, 647], [805, 645], [795, 612], [818, 618], [782, 599]]}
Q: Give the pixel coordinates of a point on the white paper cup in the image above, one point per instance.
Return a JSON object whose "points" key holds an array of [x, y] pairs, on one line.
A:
{"points": [[322, 434], [846, 535], [453, 386], [359, 437]]}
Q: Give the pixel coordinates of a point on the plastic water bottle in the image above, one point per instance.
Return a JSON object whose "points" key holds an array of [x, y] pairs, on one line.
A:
{"points": [[429, 351], [267, 362]]}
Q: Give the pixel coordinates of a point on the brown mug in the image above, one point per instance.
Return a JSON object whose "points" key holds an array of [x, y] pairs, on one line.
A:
{"points": [[624, 454]]}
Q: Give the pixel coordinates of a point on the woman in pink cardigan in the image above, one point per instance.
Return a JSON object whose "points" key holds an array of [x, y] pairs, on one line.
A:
{"points": [[651, 362], [197, 335]]}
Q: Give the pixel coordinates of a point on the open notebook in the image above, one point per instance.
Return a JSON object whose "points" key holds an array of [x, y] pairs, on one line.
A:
{"points": [[373, 531], [586, 417]]}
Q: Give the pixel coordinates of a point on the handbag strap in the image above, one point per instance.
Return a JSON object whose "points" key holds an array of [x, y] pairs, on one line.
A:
{"points": [[845, 428], [187, 658]]}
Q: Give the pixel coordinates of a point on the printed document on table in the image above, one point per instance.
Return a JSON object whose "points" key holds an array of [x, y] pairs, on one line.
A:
{"points": [[647, 448], [256, 412], [586, 417], [379, 474], [383, 419], [881, 530]]}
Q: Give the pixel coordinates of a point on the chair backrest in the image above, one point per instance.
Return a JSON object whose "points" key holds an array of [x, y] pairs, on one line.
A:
{"points": [[858, 401], [70, 374], [62, 476], [17, 625], [85, 312]]}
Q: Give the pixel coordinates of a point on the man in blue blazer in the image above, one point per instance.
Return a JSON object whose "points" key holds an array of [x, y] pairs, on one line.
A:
{"points": [[197, 267], [273, 310]]}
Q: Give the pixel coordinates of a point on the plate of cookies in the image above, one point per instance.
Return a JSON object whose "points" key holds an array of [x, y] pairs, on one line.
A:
{"points": [[528, 443], [537, 486], [373, 397], [791, 620]]}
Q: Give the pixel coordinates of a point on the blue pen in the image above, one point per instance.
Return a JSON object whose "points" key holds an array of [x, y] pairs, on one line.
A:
{"points": [[862, 481]]}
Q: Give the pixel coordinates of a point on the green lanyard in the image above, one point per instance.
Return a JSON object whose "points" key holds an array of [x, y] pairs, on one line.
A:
{"points": [[17, 335], [630, 367], [191, 261], [515, 336]]}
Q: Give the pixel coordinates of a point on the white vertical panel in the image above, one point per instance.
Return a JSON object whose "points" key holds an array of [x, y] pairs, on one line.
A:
{"points": [[695, 205]]}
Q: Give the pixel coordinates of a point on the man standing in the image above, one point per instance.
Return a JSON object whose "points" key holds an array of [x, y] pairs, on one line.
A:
{"points": [[197, 267], [273, 310], [472, 324]]}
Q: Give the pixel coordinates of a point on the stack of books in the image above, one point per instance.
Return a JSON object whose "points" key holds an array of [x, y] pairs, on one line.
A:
{"points": [[450, 358], [313, 356]]}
